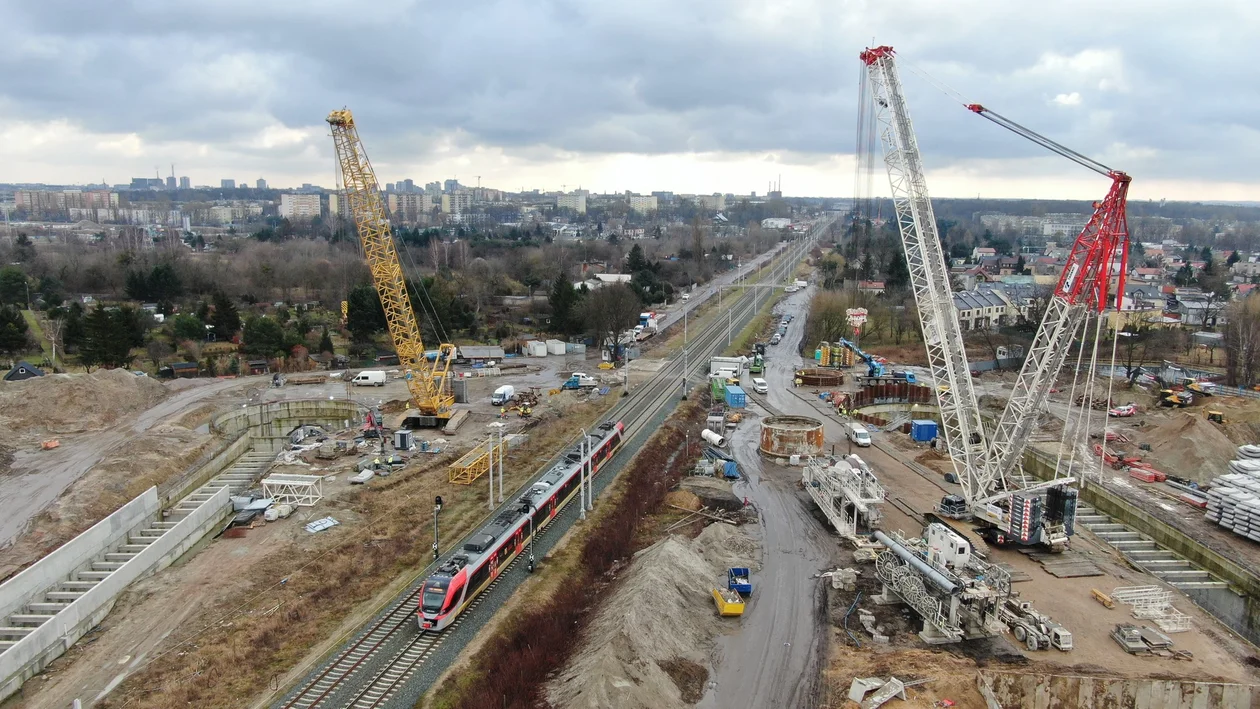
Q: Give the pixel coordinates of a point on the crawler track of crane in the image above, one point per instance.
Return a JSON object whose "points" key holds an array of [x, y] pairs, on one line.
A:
{"points": [[380, 663]]}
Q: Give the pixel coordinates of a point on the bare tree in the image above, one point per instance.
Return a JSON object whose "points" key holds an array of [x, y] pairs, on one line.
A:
{"points": [[608, 311]]}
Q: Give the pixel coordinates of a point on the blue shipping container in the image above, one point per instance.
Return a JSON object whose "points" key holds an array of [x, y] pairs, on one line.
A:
{"points": [[730, 470], [923, 430], [735, 397]]}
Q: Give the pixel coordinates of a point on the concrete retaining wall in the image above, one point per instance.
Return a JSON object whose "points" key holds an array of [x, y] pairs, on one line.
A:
{"points": [[197, 477], [33, 652], [73, 555], [278, 418], [1017, 690], [1241, 613]]}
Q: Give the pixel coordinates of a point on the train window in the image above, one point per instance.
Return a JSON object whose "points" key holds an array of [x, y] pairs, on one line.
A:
{"points": [[434, 595]]}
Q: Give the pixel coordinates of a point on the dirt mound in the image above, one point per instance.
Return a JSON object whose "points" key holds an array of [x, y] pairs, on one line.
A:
{"points": [[1189, 446], [713, 493], [683, 499], [659, 620], [74, 403]]}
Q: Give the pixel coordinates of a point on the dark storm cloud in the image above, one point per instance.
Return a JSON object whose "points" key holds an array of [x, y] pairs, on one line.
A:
{"points": [[1165, 91]]}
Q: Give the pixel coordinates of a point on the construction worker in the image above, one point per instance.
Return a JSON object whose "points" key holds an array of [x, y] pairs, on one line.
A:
{"points": [[798, 382], [502, 412]]}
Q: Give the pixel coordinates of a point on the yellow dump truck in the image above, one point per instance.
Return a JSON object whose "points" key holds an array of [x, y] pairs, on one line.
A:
{"points": [[728, 602]]}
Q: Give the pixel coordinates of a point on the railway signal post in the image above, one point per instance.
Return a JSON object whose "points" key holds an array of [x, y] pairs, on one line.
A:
{"points": [[437, 507]]}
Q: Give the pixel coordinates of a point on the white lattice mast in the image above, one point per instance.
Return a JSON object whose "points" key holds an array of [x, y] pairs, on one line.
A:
{"points": [[929, 279]]}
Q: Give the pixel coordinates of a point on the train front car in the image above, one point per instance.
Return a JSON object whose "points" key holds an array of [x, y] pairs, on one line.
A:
{"points": [[441, 598], [455, 583]]}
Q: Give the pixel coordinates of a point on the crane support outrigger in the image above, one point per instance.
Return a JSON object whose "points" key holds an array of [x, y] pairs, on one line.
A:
{"points": [[426, 380], [995, 493]]}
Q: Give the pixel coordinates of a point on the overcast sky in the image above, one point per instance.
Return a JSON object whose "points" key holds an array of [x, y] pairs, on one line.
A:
{"points": [[682, 95]]}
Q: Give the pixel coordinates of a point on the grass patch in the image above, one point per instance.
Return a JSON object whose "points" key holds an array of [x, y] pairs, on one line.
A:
{"points": [[37, 332]]}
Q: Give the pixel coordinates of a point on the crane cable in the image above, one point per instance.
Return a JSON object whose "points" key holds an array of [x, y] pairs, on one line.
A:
{"points": [[1064, 436], [1111, 381]]}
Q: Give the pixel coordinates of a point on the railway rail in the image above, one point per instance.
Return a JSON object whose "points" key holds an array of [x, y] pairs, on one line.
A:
{"points": [[373, 668]]}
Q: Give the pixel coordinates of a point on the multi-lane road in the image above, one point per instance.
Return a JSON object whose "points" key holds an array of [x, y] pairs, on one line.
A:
{"points": [[389, 662]]}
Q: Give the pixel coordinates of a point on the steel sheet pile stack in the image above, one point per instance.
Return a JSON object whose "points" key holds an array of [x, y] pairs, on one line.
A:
{"points": [[1234, 499]]}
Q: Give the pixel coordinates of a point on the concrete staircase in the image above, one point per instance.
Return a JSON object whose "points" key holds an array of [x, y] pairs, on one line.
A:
{"points": [[1143, 552], [238, 477], [37, 613]]}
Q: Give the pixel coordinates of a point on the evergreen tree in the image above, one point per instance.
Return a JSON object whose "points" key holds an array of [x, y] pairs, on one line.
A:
{"points": [[1233, 259], [13, 286], [14, 337], [264, 337], [326, 343], [73, 331], [635, 260], [365, 316], [187, 327], [896, 275], [564, 300], [225, 319]]}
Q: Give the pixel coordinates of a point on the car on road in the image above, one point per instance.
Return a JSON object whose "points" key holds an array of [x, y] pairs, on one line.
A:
{"points": [[760, 386], [776, 339], [686, 296]]}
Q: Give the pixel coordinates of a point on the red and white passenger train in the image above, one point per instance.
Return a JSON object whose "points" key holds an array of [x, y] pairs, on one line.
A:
{"points": [[470, 571]]}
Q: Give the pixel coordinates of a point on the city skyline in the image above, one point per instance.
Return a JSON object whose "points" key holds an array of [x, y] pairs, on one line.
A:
{"points": [[696, 98]]}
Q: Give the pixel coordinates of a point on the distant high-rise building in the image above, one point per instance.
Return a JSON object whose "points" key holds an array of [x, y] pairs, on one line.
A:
{"points": [[146, 183], [227, 184], [389, 188], [260, 183], [576, 202], [456, 202], [185, 183], [449, 186], [643, 204], [433, 189], [170, 182], [299, 206], [409, 185]]}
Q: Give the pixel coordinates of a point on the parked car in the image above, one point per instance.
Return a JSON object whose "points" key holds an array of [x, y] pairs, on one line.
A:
{"points": [[776, 339], [760, 386]]}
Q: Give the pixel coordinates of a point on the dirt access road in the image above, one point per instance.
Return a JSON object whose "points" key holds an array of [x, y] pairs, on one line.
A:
{"points": [[37, 478], [777, 657]]}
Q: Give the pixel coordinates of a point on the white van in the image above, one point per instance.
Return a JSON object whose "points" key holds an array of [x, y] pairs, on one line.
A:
{"points": [[857, 433], [760, 386], [369, 377], [503, 395]]}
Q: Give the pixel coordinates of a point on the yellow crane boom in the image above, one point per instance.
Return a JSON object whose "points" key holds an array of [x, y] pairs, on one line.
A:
{"points": [[427, 381]]}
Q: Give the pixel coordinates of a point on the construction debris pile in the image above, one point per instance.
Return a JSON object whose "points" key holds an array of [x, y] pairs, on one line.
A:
{"points": [[661, 611], [76, 403], [1233, 501]]}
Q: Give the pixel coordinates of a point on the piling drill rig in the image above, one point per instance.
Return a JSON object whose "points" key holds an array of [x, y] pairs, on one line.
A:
{"points": [[995, 492], [426, 380]]}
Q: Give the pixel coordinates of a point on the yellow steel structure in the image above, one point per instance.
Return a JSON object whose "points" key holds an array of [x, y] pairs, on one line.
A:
{"points": [[474, 463], [427, 381]]}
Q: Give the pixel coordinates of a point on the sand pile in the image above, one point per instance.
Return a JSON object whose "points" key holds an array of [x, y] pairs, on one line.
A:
{"points": [[74, 403], [1189, 446], [661, 611]]}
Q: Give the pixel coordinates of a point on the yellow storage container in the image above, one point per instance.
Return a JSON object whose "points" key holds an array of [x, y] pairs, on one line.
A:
{"points": [[729, 603]]}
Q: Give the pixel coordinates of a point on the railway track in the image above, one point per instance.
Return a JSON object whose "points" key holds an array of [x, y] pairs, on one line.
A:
{"points": [[357, 677]]}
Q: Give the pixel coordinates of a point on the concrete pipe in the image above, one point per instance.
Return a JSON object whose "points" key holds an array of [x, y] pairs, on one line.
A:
{"points": [[713, 438]]}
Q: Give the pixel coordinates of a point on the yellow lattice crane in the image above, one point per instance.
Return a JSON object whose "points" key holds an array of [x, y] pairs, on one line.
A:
{"points": [[426, 380]]}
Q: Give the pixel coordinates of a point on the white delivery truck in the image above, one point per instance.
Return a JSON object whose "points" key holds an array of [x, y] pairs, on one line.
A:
{"points": [[857, 433], [369, 377], [503, 395]]}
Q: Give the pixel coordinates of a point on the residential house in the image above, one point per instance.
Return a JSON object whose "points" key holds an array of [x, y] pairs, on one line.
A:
{"points": [[981, 309], [876, 287], [982, 252], [1148, 275], [23, 370]]}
